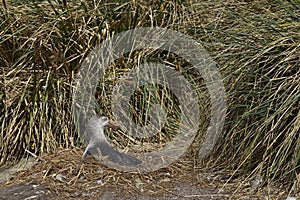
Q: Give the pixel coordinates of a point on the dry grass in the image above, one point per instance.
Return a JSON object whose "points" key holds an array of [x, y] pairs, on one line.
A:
{"points": [[65, 174], [255, 44]]}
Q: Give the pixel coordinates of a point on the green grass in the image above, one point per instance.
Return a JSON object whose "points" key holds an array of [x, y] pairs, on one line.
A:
{"points": [[255, 45]]}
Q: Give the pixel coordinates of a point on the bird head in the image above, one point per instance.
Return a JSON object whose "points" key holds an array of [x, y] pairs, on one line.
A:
{"points": [[104, 121]]}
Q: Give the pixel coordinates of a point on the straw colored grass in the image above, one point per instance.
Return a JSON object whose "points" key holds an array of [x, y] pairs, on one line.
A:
{"points": [[255, 45]]}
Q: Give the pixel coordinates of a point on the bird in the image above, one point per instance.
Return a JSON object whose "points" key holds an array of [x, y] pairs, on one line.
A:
{"points": [[97, 141]]}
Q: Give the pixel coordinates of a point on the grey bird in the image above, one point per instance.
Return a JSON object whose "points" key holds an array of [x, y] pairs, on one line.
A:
{"points": [[97, 141]]}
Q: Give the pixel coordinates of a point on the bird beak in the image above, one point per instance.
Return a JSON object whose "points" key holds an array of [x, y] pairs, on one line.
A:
{"points": [[113, 125]]}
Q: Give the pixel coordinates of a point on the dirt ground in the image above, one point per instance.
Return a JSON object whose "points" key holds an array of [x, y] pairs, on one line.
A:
{"points": [[64, 176], [181, 191]]}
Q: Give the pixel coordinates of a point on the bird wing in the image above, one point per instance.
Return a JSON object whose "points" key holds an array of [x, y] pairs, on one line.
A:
{"points": [[113, 155], [116, 156]]}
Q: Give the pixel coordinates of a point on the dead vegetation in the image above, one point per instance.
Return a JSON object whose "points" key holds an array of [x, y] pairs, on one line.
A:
{"points": [[66, 175], [255, 45]]}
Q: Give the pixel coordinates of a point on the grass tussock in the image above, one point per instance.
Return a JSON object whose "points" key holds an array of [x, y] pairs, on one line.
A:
{"points": [[255, 45]]}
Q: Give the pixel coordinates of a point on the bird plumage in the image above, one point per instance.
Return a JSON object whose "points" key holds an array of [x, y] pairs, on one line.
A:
{"points": [[97, 141]]}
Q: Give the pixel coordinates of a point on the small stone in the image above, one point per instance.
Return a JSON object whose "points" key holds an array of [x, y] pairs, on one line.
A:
{"points": [[254, 183], [99, 182], [59, 177], [138, 183], [100, 171]]}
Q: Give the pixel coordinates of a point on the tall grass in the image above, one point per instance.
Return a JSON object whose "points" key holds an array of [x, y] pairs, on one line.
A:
{"points": [[255, 44], [257, 48]]}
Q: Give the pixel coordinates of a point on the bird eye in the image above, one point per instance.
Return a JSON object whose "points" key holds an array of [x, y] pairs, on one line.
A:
{"points": [[104, 118]]}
